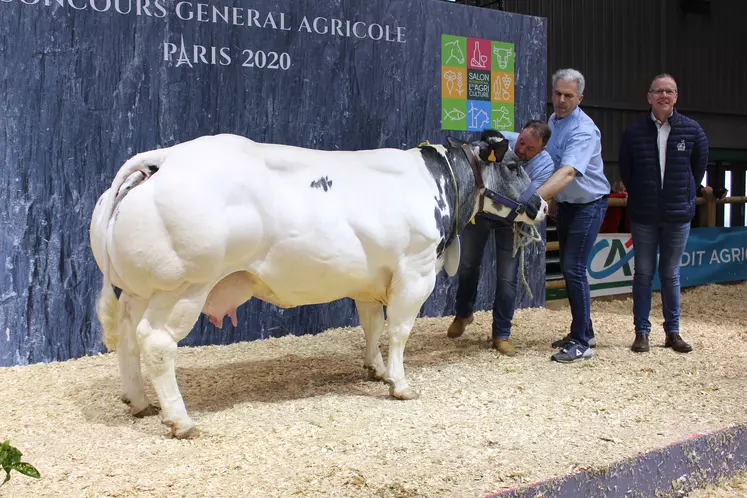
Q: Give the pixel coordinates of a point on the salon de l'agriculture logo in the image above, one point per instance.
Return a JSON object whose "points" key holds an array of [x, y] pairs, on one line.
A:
{"points": [[477, 84]]}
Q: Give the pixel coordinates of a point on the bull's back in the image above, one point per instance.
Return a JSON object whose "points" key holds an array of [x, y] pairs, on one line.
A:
{"points": [[341, 219], [271, 192]]}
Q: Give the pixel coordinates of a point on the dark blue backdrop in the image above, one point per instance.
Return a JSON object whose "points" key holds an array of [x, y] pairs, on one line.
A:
{"points": [[84, 84]]}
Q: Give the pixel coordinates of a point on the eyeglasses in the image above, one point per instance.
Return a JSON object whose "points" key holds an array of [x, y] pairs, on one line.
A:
{"points": [[663, 91]]}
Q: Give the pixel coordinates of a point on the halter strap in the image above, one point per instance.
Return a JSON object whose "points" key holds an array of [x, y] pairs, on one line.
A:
{"points": [[476, 173]]}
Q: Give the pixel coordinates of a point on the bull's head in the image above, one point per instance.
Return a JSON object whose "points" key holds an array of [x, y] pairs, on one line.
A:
{"points": [[501, 180]]}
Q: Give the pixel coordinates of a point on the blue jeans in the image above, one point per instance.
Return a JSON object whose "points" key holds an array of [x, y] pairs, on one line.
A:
{"points": [[578, 227], [473, 239], [670, 240]]}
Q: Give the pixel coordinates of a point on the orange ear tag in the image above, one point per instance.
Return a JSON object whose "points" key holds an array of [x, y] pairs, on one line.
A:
{"points": [[491, 157]]}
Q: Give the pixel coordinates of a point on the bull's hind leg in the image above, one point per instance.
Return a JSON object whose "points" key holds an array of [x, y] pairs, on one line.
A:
{"points": [[168, 318], [128, 354], [405, 300], [371, 316]]}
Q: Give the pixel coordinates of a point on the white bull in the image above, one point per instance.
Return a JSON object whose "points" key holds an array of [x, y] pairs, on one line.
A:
{"points": [[208, 224]]}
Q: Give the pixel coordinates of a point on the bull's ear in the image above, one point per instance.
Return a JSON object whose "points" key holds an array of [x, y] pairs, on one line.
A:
{"points": [[455, 142], [493, 149]]}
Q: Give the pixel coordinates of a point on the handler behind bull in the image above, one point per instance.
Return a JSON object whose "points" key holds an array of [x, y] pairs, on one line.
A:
{"points": [[529, 146]]}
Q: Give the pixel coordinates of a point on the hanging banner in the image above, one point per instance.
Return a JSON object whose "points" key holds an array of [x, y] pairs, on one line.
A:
{"points": [[711, 255], [477, 84]]}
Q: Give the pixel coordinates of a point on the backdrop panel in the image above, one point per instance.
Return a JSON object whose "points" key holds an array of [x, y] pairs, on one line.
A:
{"points": [[84, 84]]}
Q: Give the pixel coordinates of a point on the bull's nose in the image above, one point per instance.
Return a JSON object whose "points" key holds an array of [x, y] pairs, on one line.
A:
{"points": [[536, 209], [542, 211]]}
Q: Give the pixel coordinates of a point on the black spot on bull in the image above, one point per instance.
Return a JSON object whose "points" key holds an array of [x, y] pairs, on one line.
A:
{"points": [[324, 182], [443, 223]]}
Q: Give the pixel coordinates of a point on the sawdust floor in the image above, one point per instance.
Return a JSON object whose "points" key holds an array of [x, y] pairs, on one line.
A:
{"points": [[733, 487], [297, 416]]}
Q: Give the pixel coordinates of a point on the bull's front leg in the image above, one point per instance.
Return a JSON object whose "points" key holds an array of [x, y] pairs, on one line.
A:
{"points": [[405, 301], [371, 316]]}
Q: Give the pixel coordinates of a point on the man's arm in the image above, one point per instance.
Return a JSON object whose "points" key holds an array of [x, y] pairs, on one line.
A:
{"points": [[699, 161], [557, 182], [575, 159], [625, 158]]}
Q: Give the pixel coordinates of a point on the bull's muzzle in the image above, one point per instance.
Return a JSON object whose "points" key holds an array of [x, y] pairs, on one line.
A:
{"points": [[529, 204], [536, 208]]}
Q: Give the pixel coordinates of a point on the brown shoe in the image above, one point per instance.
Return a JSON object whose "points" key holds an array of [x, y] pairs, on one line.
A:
{"points": [[504, 346], [675, 341], [456, 329], [640, 345]]}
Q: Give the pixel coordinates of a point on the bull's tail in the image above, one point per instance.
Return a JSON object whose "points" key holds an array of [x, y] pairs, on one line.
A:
{"points": [[135, 170], [107, 310], [107, 305], [131, 173]]}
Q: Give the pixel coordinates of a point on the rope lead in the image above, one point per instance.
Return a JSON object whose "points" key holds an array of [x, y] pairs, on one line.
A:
{"points": [[521, 240]]}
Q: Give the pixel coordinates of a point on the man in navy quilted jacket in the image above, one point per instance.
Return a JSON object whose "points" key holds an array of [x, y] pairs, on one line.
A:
{"points": [[663, 158]]}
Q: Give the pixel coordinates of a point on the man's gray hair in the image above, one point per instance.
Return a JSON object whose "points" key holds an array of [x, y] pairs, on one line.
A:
{"points": [[570, 75], [660, 76]]}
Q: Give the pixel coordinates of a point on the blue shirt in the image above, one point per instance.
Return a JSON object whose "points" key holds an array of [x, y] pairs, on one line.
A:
{"points": [[539, 168], [576, 141]]}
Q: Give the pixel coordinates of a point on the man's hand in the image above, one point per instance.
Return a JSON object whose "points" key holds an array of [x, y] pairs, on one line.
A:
{"points": [[552, 209]]}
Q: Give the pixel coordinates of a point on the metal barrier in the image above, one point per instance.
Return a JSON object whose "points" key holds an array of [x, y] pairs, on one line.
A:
{"points": [[705, 217]]}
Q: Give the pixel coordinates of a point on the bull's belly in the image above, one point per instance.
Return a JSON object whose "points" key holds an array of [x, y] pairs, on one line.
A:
{"points": [[314, 285], [305, 281]]}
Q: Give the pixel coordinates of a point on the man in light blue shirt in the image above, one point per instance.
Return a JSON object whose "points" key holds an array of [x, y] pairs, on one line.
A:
{"points": [[580, 190], [529, 146]]}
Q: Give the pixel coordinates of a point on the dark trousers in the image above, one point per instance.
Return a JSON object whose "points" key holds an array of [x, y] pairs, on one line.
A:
{"points": [[669, 240], [578, 227], [473, 240]]}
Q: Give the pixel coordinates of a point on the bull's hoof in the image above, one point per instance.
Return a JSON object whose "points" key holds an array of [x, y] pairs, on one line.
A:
{"points": [[148, 411], [374, 375], [190, 432], [403, 394]]}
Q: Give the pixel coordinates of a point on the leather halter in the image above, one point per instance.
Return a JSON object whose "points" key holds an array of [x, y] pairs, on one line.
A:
{"points": [[516, 208]]}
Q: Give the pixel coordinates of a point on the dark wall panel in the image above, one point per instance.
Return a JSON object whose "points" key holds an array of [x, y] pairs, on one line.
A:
{"points": [[620, 45], [706, 53], [84, 84]]}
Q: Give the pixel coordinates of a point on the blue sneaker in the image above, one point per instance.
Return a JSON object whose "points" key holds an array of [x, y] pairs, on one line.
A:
{"points": [[572, 352], [561, 343]]}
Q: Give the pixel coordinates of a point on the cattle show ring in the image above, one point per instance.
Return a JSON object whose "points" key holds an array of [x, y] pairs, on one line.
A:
{"points": [[230, 243]]}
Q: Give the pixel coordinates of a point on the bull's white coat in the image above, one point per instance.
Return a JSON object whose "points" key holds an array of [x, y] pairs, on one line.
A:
{"points": [[225, 219]]}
